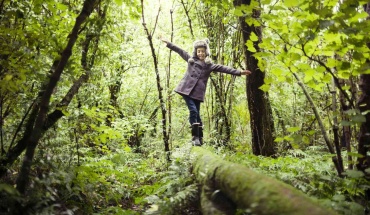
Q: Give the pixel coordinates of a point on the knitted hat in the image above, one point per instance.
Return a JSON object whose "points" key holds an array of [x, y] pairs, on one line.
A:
{"points": [[201, 44]]}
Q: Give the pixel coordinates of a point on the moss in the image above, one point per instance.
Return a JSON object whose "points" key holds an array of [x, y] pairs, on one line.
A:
{"points": [[250, 190]]}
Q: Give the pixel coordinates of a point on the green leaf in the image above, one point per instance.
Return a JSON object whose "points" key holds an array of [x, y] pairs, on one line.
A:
{"points": [[327, 78], [318, 76], [309, 74], [279, 139], [238, 12], [367, 170], [277, 71], [118, 2], [346, 87], [265, 2], [306, 140], [354, 154], [359, 118], [345, 66], [288, 138], [249, 21], [358, 16], [62, 7], [293, 129], [331, 62], [292, 3], [8, 189], [253, 37], [127, 149], [250, 46], [268, 80], [8, 77], [311, 132], [328, 53], [326, 23], [295, 56], [265, 87], [339, 198], [358, 55], [262, 64], [345, 123], [307, 78], [354, 173], [297, 138], [351, 112], [321, 69]]}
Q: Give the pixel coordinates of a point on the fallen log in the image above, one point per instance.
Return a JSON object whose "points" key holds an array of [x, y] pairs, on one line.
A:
{"points": [[229, 188]]}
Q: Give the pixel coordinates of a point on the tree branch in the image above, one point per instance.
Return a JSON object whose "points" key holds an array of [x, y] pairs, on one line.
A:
{"points": [[33, 140], [187, 9]]}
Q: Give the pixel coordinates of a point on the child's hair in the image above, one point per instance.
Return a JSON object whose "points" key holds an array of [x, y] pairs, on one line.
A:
{"points": [[201, 43]]}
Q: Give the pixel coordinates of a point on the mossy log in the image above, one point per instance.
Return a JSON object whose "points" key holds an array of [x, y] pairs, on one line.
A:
{"points": [[228, 187]]}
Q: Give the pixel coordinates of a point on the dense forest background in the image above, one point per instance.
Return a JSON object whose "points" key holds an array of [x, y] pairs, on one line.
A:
{"points": [[90, 123]]}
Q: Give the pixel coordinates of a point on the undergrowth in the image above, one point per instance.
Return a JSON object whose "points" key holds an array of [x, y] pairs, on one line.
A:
{"points": [[312, 172], [179, 193], [124, 182], [119, 182]]}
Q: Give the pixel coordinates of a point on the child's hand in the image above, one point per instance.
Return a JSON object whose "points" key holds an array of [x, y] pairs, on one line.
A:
{"points": [[163, 40], [245, 72]]}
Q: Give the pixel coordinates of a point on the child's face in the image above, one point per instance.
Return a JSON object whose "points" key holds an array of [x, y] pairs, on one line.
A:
{"points": [[201, 53]]}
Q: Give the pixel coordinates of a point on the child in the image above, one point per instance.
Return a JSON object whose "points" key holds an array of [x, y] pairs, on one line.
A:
{"points": [[193, 85]]}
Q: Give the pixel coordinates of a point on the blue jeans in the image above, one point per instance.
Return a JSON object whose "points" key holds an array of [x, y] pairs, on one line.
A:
{"points": [[194, 109]]}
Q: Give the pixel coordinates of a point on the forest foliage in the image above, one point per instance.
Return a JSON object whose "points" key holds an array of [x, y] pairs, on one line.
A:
{"points": [[97, 144]]}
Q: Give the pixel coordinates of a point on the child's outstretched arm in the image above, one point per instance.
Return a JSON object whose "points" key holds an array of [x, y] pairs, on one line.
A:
{"points": [[229, 70], [175, 48]]}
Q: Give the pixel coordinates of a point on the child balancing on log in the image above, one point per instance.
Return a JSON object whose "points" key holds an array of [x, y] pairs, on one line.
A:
{"points": [[192, 86]]}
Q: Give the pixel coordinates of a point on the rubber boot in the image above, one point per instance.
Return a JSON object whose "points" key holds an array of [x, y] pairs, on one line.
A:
{"points": [[195, 134], [201, 134]]}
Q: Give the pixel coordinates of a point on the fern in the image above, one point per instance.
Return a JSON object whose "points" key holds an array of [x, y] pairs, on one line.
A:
{"points": [[179, 190]]}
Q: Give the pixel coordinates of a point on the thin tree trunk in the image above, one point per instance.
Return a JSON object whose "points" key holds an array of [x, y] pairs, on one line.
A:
{"points": [[187, 9], [336, 128], [261, 119], [346, 130], [1, 126], [321, 125], [169, 94], [33, 140], [158, 79]]}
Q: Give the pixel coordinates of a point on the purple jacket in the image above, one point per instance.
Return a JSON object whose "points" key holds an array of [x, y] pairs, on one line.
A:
{"points": [[194, 83]]}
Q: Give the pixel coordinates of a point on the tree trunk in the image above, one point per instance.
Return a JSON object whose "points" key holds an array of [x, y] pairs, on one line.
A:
{"points": [[159, 85], [364, 135], [228, 187], [14, 152], [335, 128], [346, 129], [364, 105], [33, 140], [262, 125]]}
